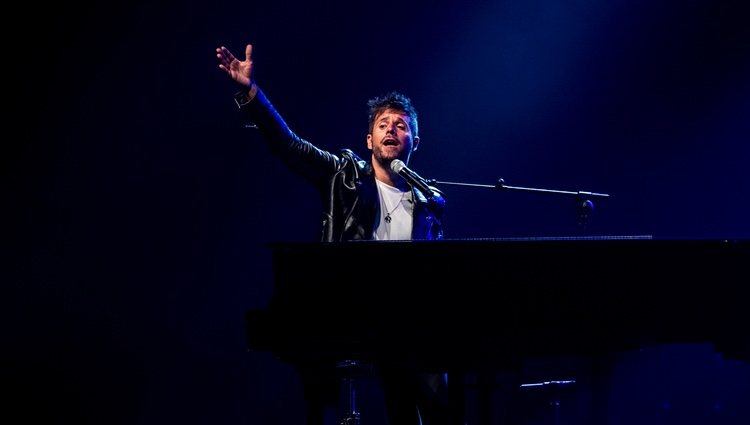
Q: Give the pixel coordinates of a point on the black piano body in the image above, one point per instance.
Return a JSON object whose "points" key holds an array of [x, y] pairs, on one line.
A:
{"points": [[464, 305]]}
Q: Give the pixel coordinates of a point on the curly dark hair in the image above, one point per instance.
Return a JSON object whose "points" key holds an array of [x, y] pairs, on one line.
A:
{"points": [[396, 101]]}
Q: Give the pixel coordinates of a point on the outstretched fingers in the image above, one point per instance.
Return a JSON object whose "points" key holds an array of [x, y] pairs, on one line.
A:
{"points": [[225, 57]]}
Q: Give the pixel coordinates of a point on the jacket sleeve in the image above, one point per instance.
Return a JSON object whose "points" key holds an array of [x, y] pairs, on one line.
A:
{"points": [[301, 156]]}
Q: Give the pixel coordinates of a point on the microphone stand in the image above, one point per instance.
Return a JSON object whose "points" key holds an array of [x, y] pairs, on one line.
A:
{"points": [[583, 199]]}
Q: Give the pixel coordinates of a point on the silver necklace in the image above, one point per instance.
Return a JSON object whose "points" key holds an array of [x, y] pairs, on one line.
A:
{"points": [[388, 213]]}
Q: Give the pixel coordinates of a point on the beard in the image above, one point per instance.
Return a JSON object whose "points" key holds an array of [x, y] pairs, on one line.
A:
{"points": [[385, 154]]}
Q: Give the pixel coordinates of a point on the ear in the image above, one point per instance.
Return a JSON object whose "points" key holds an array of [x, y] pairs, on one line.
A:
{"points": [[415, 144], [369, 141]]}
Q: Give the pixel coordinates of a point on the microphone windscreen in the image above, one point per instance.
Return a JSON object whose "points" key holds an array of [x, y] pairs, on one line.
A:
{"points": [[397, 165]]}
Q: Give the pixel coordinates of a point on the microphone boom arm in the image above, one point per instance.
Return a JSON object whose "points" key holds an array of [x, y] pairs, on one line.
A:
{"points": [[585, 205]]}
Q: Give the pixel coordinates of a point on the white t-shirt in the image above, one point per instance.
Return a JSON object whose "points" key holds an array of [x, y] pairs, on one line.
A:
{"points": [[396, 209]]}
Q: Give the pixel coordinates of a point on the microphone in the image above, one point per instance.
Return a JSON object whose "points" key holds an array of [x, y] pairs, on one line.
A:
{"points": [[410, 176]]}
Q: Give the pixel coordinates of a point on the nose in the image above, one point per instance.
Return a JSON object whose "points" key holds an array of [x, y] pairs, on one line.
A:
{"points": [[391, 129]]}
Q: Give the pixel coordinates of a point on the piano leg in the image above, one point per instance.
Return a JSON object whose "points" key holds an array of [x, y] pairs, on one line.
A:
{"points": [[350, 370]]}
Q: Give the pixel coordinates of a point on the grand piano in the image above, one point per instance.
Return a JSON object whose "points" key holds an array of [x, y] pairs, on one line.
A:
{"points": [[483, 304]]}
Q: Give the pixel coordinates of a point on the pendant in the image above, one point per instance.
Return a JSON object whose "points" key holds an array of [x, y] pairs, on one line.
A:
{"points": [[387, 218]]}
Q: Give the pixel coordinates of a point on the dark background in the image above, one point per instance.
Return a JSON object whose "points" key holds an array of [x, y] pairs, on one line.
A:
{"points": [[138, 208]]}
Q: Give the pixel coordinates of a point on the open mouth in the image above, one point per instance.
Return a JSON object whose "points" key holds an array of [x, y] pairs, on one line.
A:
{"points": [[390, 142]]}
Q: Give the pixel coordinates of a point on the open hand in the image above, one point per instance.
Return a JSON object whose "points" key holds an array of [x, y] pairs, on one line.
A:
{"points": [[240, 71]]}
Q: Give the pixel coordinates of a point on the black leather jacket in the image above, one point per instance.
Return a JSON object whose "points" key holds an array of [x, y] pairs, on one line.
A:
{"points": [[346, 183]]}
